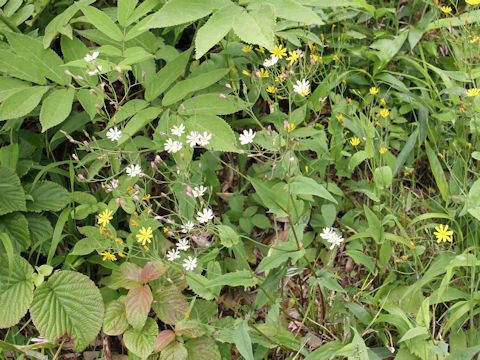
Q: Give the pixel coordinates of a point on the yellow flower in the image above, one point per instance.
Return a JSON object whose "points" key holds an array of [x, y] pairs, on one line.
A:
{"points": [[279, 50], [475, 39], [314, 58], [339, 117], [306, 169], [134, 222], [293, 57], [101, 229], [312, 47], [382, 150], [107, 256], [355, 141], [374, 90], [384, 103], [472, 2], [118, 240], [336, 58], [469, 146], [260, 49], [165, 229], [121, 254], [145, 235], [105, 217], [440, 155], [263, 73], [247, 48], [245, 72], [290, 127], [473, 92], [146, 198], [443, 234], [446, 9], [271, 89], [384, 113], [146, 248]]}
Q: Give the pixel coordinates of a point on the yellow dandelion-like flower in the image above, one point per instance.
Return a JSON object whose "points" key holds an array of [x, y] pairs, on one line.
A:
{"points": [[443, 234], [374, 90], [293, 57], [121, 254], [146, 198], [105, 217], [383, 150], [473, 92], [475, 39], [247, 48], [145, 235], [260, 49], [469, 146], [107, 256], [263, 73], [246, 73], [472, 2], [446, 9], [355, 141], [339, 117], [290, 127], [383, 102], [271, 89], [306, 169], [279, 50], [312, 47], [440, 155], [384, 113], [336, 58], [165, 229]]}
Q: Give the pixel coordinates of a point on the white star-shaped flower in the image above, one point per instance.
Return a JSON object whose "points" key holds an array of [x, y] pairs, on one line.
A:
{"points": [[89, 57], [114, 134], [178, 130], [205, 215], [99, 68], [302, 87], [183, 245], [193, 139], [327, 233], [172, 146], [187, 227], [205, 139], [247, 137], [199, 191], [270, 62], [190, 263], [173, 254], [134, 170], [335, 240]]}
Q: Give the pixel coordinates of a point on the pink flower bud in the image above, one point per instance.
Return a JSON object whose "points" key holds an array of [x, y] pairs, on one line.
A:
{"points": [[118, 69], [117, 200], [143, 74], [291, 72], [258, 74], [188, 193], [97, 106], [182, 155], [292, 159], [149, 211], [92, 91], [120, 79], [75, 157], [200, 165], [68, 73], [102, 85], [152, 164], [228, 85], [223, 96], [135, 197], [72, 141], [162, 194], [85, 142], [80, 77], [285, 123], [81, 177], [312, 61], [169, 221], [100, 158], [162, 133], [182, 106], [158, 217], [157, 159]]}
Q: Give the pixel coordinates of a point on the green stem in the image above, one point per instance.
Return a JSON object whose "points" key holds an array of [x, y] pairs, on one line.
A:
{"points": [[7, 22]]}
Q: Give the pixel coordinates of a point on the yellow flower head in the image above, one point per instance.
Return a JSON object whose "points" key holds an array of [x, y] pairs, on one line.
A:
{"points": [[279, 50], [336, 58], [475, 39], [247, 48], [107, 256], [383, 150], [384, 103], [473, 92], [443, 234], [446, 9], [384, 113], [374, 90], [260, 49], [293, 57], [105, 217], [146, 198], [472, 2], [245, 72], [263, 73], [271, 89], [290, 127], [355, 141], [121, 254], [145, 235], [339, 117], [312, 47]]}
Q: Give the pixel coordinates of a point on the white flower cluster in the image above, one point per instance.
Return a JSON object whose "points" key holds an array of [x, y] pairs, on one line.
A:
{"points": [[193, 139], [332, 237], [302, 87]]}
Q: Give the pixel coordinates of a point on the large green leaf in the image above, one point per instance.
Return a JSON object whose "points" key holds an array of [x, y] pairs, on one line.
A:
{"points": [[243, 341], [137, 305], [169, 304], [16, 66], [174, 351], [202, 348], [213, 104], [135, 124], [115, 320], [56, 107], [256, 27], [292, 10], [125, 10], [21, 103], [16, 290], [223, 138], [302, 185], [16, 226], [103, 23], [47, 196], [192, 84], [236, 278], [68, 305], [140, 341], [127, 276], [9, 86], [12, 196]]}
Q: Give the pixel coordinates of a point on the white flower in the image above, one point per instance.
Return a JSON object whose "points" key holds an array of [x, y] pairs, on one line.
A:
{"points": [[190, 264], [114, 183], [114, 134], [134, 170], [199, 191], [89, 57], [194, 138], [204, 215], [335, 240], [172, 146], [183, 245], [173, 254], [204, 139], [270, 62], [187, 227], [99, 68], [178, 130], [302, 87], [327, 233], [247, 137]]}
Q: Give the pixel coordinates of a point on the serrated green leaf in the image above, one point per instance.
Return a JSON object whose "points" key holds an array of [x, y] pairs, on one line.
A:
{"points": [[21, 103], [174, 351], [47, 196], [212, 104], [190, 328], [140, 341], [12, 196], [250, 28], [68, 304], [236, 278], [16, 290], [103, 23], [202, 348], [164, 338], [174, 12], [169, 304], [128, 276], [137, 305], [413, 333], [125, 10], [115, 320], [197, 284], [16, 226], [223, 138], [292, 10], [56, 107]]}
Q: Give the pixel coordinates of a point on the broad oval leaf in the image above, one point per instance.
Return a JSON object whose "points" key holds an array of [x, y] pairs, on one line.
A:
{"points": [[202, 348], [68, 304], [16, 290], [251, 29], [56, 107], [302, 185], [174, 351], [223, 138], [212, 104], [16, 226], [164, 338], [115, 320], [21, 103], [140, 341], [103, 23], [152, 270], [169, 304], [47, 196], [12, 196], [137, 305], [127, 276]]}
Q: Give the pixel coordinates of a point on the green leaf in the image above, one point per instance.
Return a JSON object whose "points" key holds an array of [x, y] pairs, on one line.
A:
{"points": [[16, 226], [135, 124], [202, 348], [302, 185], [374, 225], [223, 138], [213, 104], [21, 103], [12, 196], [243, 341], [16, 66], [413, 333], [167, 75], [217, 26], [292, 10], [437, 171], [115, 320], [68, 304], [174, 351], [228, 236], [127, 276], [88, 101], [103, 23], [8, 246], [357, 159], [9, 86], [407, 149], [174, 12], [382, 177], [362, 259], [56, 107], [137, 305], [190, 328], [256, 28], [198, 283], [16, 290], [125, 10], [236, 278], [164, 338], [170, 304], [192, 84], [9, 156], [47, 196], [272, 195], [140, 341]]}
